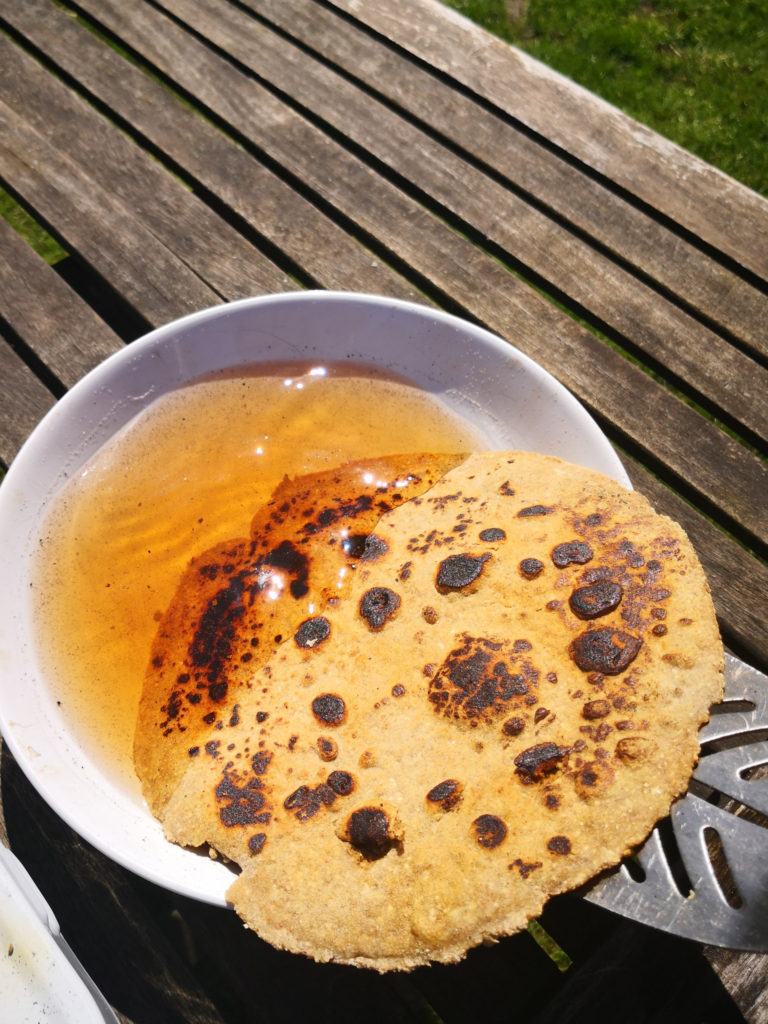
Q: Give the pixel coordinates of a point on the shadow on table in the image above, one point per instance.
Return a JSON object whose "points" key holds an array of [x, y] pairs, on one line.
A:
{"points": [[162, 959]]}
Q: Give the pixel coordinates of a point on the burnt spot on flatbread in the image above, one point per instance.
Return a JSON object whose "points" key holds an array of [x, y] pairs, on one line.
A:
{"points": [[329, 708], [446, 795], [241, 804], [593, 779], [306, 801], [173, 708], [572, 552], [596, 574], [595, 709], [539, 761], [287, 557], [530, 568], [260, 762], [362, 547], [596, 599], [212, 641], [370, 831], [441, 501], [513, 726], [429, 614], [489, 831], [216, 639], [378, 605], [458, 572], [630, 553], [506, 489], [524, 868], [342, 783], [532, 511], [256, 842], [327, 748], [493, 535], [559, 845], [607, 651], [343, 509], [482, 680], [312, 632]]}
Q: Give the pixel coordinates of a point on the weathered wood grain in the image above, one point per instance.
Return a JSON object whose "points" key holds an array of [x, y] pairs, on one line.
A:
{"points": [[323, 254], [476, 284], [739, 583], [92, 223], [690, 192], [744, 977], [25, 400], [53, 321], [169, 236], [695, 357], [588, 206]]}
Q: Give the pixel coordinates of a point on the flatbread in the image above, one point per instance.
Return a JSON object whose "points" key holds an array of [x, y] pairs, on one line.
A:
{"points": [[236, 601], [503, 702]]}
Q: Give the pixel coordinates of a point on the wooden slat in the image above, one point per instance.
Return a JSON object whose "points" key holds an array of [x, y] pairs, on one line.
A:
{"points": [[743, 976], [63, 331], [127, 209], [326, 254], [739, 583], [96, 226], [680, 186], [476, 283], [24, 402], [585, 204], [696, 357]]}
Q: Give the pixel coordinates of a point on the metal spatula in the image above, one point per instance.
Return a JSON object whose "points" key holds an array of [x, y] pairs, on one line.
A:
{"points": [[703, 873]]}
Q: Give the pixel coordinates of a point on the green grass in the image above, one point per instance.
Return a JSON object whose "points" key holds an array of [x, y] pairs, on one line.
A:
{"points": [[29, 229], [693, 70], [554, 951]]}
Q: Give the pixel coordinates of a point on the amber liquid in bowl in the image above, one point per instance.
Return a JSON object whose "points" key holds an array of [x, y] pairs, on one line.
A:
{"points": [[189, 472]]}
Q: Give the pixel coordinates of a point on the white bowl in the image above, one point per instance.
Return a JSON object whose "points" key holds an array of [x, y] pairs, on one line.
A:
{"points": [[515, 404]]}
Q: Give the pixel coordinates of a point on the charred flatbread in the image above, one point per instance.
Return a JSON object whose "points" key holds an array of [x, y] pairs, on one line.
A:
{"points": [[502, 702], [237, 601]]}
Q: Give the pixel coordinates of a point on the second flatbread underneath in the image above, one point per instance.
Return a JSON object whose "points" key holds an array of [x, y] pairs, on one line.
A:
{"points": [[504, 703]]}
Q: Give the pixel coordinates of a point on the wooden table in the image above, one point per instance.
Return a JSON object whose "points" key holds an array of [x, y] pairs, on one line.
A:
{"points": [[188, 152]]}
